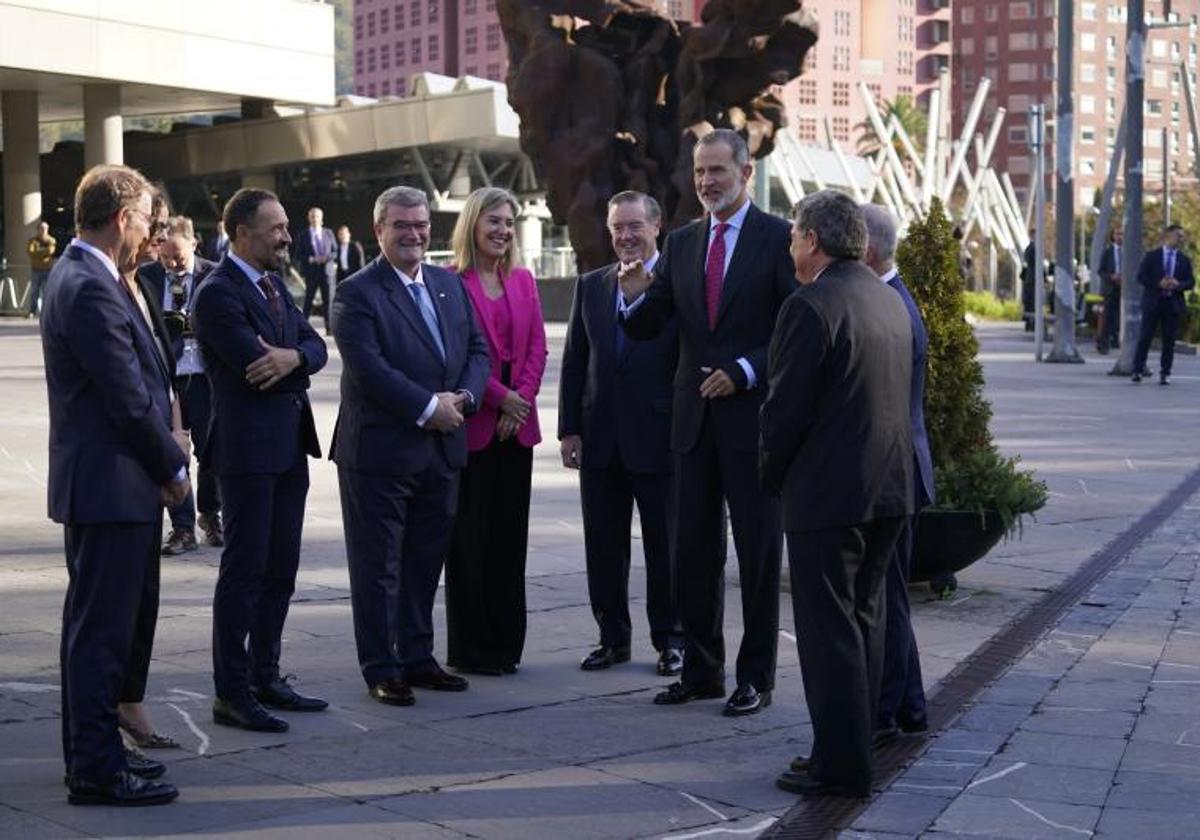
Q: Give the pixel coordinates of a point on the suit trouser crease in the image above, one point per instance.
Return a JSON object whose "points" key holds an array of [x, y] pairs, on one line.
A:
{"points": [[1168, 318], [264, 517], [607, 496], [1112, 314], [709, 478], [111, 601], [485, 571], [195, 404], [397, 533], [313, 284], [839, 610], [902, 694]]}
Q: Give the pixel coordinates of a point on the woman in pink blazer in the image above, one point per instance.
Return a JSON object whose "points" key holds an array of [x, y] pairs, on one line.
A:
{"points": [[485, 572]]}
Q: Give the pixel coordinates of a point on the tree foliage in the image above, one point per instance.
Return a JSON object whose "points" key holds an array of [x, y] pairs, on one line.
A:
{"points": [[914, 120]]}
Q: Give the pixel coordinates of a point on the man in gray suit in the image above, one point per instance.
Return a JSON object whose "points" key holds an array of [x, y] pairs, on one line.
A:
{"points": [[414, 363]]}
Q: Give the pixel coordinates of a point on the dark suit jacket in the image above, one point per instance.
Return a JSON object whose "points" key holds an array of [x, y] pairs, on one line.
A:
{"points": [[111, 448], [1108, 267], [152, 277], [1151, 271], [303, 249], [391, 367], [253, 431], [354, 259], [617, 402], [916, 405], [836, 434], [759, 278]]}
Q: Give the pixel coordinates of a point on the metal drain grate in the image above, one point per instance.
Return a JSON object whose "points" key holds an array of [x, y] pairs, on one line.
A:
{"points": [[820, 817]]}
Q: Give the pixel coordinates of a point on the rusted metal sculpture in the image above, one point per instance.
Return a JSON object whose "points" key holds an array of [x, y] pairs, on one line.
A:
{"points": [[612, 95]]}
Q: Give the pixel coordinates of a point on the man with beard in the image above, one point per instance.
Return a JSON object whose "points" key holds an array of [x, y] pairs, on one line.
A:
{"points": [[113, 463], [724, 277], [259, 352]]}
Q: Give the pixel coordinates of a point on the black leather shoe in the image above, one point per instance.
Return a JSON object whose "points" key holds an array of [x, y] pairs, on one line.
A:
{"points": [[246, 713], [143, 767], [435, 679], [670, 663], [278, 694], [680, 692], [485, 670], [805, 785], [126, 789], [1162, 379], [747, 700], [394, 692], [1137, 376], [604, 657], [918, 723]]}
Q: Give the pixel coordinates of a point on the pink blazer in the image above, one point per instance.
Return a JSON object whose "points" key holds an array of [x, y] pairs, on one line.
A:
{"points": [[528, 356]]}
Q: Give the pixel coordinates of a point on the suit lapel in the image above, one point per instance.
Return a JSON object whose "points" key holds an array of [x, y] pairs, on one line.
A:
{"points": [[401, 298], [257, 302], [437, 294], [696, 254], [743, 254]]}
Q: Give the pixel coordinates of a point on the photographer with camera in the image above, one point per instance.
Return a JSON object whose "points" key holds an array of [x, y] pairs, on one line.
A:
{"points": [[173, 280]]}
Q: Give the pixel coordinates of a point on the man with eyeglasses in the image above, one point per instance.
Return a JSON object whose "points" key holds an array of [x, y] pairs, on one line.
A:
{"points": [[414, 364]]}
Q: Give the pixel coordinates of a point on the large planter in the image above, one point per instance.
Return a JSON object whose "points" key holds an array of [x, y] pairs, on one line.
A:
{"points": [[950, 540]]}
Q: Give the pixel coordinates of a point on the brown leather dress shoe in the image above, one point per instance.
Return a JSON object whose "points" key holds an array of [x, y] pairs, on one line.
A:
{"points": [[432, 677]]}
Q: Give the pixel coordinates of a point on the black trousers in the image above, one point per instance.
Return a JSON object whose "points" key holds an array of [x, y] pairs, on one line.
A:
{"points": [[397, 532], [902, 694], [264, 516], [485, 572], [195, 404], [313, 283], [109, 614], [839, 608], [608, 495], [1167, 318], [1112, 316], [707, 479]]}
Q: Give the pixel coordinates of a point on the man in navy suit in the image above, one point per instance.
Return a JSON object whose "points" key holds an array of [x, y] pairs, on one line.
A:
{"points": [[614, 424], [902, 696], [259, 353], [414, 363], [1164, 275], [725, 277], [171, 282], [316, 256], [110, 430], [1109, 333]]}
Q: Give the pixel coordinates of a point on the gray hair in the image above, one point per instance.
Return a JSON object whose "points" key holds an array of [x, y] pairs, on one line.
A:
{"points": [[881, 230], [398, 197], [652, 208], [731, 140], [836, 220]]}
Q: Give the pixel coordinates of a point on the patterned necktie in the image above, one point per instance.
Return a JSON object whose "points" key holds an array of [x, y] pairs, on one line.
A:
{"points": [[274, 302], [1168, 269], [714, 273], [425, 305]]}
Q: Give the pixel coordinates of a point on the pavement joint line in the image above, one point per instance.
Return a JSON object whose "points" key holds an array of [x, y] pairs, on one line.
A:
{"points": [[703, 805], [1087, 832], [709, 832], [1000, 774], [962, 687]]}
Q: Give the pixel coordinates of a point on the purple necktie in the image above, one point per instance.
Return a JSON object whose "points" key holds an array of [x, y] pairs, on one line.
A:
{"points": [[274, 303], [714, 273]]}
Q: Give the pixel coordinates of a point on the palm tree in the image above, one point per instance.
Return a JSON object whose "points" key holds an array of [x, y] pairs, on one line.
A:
{"points": [[914, 120]]}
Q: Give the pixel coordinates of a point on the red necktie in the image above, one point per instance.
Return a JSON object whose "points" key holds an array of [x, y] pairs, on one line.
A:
{"points": [[273, 301], [714, 273]]}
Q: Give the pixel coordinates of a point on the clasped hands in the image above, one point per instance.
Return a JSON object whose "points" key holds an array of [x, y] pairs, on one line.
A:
{"points": [[1168, 284], [514, 411]]}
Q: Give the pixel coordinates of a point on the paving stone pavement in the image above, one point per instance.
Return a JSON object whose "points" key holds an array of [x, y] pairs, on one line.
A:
{"points": [[555, 752]]}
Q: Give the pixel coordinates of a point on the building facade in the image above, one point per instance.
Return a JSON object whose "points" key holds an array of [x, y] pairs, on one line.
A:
{"points": [[1014, 44]]}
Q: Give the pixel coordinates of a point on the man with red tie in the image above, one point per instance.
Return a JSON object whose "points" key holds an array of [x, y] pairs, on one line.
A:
{"points": [[724, 276]]}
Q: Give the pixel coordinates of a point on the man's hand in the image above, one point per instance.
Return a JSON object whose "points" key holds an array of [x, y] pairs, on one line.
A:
{"points": [[174, 492], [634, 280], [183, 438], [1116, 279], [271, 366], [717, 384], [507, 426], [571, 449], [446, 417], [515, 406]]}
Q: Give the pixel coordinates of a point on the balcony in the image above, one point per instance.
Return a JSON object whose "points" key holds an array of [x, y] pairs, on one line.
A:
{"points": [[939, 31]]}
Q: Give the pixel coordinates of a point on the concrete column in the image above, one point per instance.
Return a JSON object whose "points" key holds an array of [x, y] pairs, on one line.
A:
{"points": [[103, 141], [22, 182], [259, 179], [529, 234]]}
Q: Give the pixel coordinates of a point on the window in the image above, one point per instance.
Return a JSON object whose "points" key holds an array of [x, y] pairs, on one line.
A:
{"points": [[1158, 48], [358, 61], [1018, 103], [370, 24], [372, 90], [806, 92], [398, 16], [1087, 134], [1174, 112], [1019, 10], [1022, 72], [399, 50], [1154, 106], [385, 87], [841, 94], [1110, 107], [385, 20], [1087, 72], [966, 14], [414, 13], [1158, 78], [841, 58], [385, 58], [1020, 40], [1087, 104], [1087, 11], [432, 15], [358, 27], [990, 13], [471, 40], [1087, 41], [434, 48], [371, 60], [493, 72], [807, 129], [1110, 78], [416, 50], [493, 37], [1018, 165], [490, 5], [470, 7], [1017, 134], [841, 128], [966, 46]]}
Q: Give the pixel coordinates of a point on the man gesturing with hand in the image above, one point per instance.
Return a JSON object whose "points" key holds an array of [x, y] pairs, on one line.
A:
{"points": [[259, 352], [414, 364]]}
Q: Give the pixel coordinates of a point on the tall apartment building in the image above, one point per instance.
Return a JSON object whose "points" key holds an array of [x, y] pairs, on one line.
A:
{"points": [[1014, 43], [895, 46], [395, 40]]}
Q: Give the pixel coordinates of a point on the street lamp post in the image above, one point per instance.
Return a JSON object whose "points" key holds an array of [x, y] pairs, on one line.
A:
{"points": [[1135, 96], [1064, 194], [1037, 134]]}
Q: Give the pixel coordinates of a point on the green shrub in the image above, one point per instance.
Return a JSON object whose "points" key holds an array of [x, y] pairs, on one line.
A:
{"points": [[969, 472], [991, 308]]}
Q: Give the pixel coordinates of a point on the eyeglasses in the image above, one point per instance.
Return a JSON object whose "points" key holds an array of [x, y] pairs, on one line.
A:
{"points": [[410, 227]]}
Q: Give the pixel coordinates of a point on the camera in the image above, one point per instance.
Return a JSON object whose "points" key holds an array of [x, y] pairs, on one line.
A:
{"points": [[179, 323]]}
